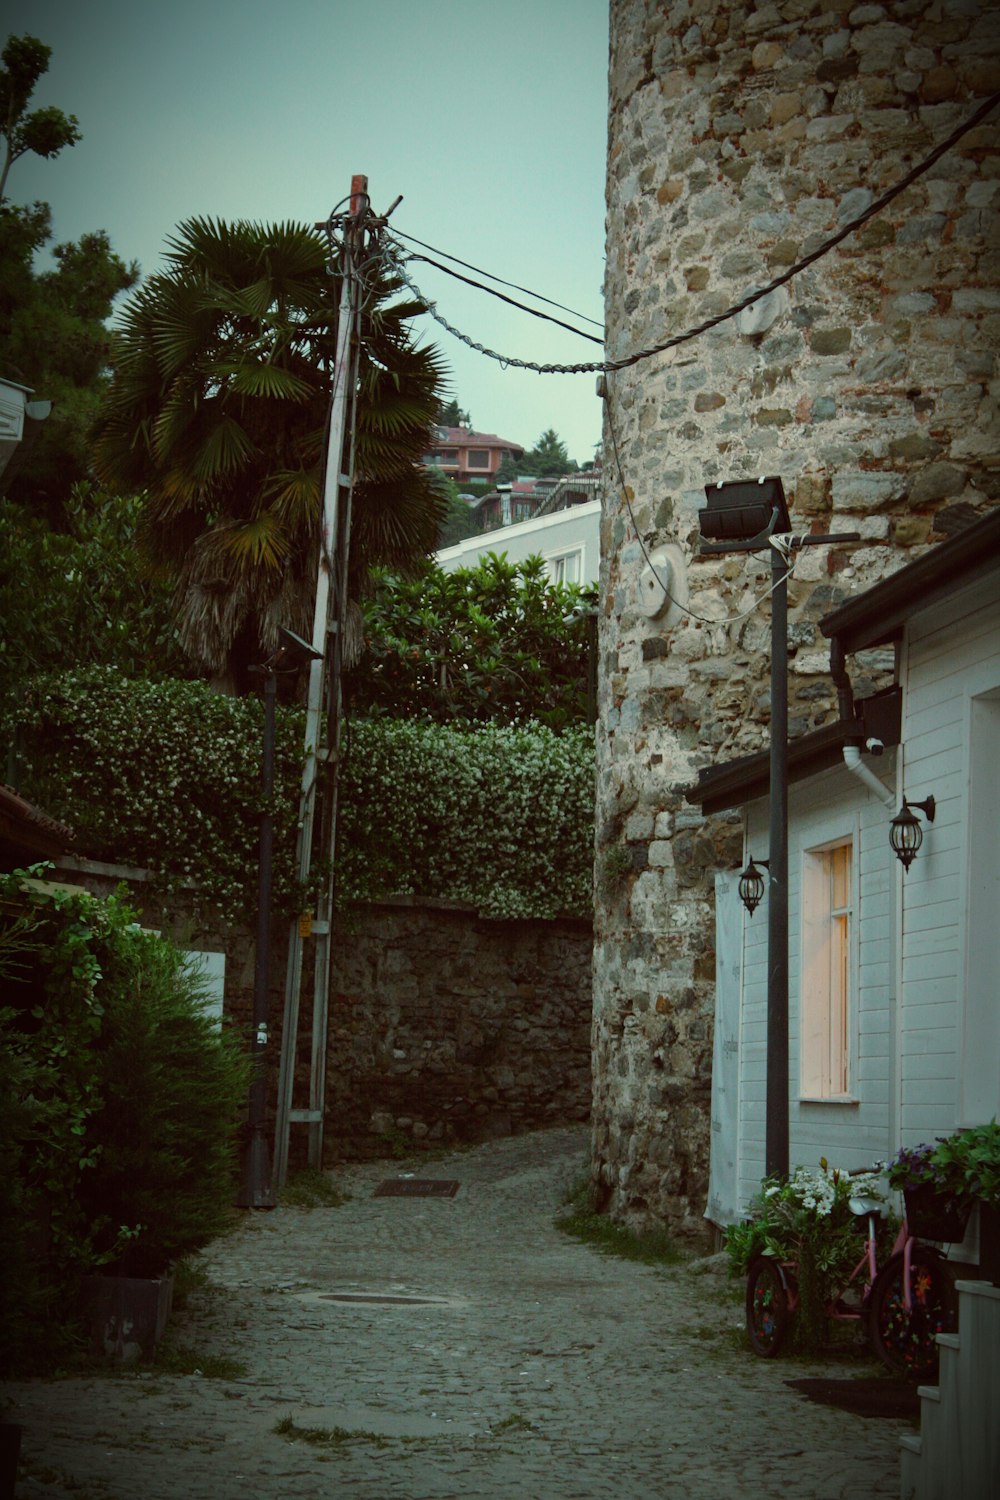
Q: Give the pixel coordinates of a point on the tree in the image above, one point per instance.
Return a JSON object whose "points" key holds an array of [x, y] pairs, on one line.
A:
{"points": [[218, 411], [44, 131], [52, 324], [497, 643], [450, 414], [509, 469], [548, 457], [459, 520], [80, 594]]}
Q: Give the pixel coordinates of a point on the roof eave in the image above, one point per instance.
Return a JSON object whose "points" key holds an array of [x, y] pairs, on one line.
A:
{"points": [[878, 615]]}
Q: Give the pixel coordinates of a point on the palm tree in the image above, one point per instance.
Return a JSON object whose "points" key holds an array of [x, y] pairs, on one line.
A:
{"points": [[218, 410]]}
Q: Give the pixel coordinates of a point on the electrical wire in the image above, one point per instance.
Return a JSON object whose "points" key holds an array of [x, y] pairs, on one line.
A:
{"points": [[399, 234], [535, 313], [609, 366]]}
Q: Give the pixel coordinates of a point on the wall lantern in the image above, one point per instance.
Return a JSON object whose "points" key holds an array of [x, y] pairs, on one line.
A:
{"points": [[751, 886], [905, 833]]}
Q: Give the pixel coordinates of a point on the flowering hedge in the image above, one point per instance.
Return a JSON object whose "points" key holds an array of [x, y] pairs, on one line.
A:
{"points": [[497, 816], [166, 775]]}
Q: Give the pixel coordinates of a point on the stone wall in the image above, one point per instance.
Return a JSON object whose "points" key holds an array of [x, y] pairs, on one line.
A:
{"points": [[443, 1026], [448, 1027], [740, 138]]}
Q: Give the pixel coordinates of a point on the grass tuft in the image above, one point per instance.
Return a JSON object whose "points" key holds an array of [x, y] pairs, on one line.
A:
{"points": [[327, 1437], [311, 1188], [581, 1221]]}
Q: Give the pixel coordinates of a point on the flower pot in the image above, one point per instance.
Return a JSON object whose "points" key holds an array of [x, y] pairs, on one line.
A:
{"points": [[989, 1242], [934, 1215], [126, 1315]]}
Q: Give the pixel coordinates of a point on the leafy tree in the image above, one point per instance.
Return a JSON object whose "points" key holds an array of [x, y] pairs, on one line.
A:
{"points": [[492, 643], [450, 414], [52, 324], [548, 457], [459, 521], [218, 411], [508, 470], [44, 131], [81, 594]]}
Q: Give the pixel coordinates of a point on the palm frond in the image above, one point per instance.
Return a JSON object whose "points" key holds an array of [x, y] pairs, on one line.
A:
{"points": [[270, 382]]}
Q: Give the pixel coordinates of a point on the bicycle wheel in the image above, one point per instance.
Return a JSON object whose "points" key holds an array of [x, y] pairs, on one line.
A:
{"points": [[768, 1316], [905, 1338]]}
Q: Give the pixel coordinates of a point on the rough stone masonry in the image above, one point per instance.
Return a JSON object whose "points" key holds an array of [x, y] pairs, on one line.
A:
{"points": [[740, 138]]}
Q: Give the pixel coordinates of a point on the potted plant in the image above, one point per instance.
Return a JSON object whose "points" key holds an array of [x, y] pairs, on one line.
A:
{"points": [[969, 1162], [935, 1210], [807, 1219]]}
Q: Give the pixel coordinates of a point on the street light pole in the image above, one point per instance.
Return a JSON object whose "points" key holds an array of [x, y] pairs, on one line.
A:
{"points": [[744, 516], [256, 1190], [776, 1117], [256, 1187]]}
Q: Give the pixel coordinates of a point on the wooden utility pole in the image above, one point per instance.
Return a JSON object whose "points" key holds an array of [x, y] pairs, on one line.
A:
{"points": [[323, 707]]}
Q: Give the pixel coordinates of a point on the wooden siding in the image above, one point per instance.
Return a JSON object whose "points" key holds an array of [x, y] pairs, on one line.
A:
{"points": [[953, 655], [910, 935]]}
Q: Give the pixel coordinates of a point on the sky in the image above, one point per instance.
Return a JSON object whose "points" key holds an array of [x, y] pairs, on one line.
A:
{"points": [[488, 116]]}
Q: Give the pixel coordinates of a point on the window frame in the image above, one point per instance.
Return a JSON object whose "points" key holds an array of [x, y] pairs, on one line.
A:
{"points": [[828, 975]]}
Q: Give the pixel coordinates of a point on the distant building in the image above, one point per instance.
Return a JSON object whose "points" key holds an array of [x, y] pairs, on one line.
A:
{"points": [[463, 454], [558, 520]]}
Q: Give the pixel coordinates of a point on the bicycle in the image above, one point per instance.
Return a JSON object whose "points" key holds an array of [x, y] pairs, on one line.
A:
{"points": [[903, 1306]]}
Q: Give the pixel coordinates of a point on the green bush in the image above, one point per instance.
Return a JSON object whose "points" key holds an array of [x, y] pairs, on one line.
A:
{"points": [[499, 817], [498, 643], [166, 775], [119, 1107]]}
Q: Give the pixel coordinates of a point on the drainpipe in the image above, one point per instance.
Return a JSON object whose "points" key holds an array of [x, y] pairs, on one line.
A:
{"points": [[854, 763], [838, 672], [845, 704]]}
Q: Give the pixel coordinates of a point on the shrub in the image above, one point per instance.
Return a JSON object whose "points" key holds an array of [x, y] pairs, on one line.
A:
{"points": [[166, 776], [497, 643], [119, 1108]]}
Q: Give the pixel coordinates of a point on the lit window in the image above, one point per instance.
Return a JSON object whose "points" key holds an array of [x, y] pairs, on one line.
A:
{"points": [[827, 982]]}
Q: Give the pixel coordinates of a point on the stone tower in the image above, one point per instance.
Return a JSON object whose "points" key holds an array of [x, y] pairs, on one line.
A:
{"points": [[741, 138]]}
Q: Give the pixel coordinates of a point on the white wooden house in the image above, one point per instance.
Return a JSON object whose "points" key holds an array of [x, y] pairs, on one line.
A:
{"points": [[894, 978]]}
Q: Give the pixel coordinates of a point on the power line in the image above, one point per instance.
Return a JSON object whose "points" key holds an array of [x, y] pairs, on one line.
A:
{"points": [[534, 311], [512, 284], [609, 366]]}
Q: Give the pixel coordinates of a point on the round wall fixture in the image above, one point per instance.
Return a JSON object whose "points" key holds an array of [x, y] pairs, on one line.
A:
{"points": [[762, 314], [663, 589]]}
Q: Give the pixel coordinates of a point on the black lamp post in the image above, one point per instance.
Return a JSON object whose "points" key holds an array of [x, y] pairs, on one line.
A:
{"points": [[256, 1190], [741, 516]]}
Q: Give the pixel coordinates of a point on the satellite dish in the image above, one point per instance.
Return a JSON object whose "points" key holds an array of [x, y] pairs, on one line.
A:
{"points": [[663, 588]]}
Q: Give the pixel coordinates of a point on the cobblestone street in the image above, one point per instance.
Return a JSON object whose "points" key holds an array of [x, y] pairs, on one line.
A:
{"points": [[534, 1368]]}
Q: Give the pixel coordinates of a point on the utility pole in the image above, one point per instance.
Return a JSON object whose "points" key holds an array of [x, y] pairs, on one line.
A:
{"points": [[322, 736]]}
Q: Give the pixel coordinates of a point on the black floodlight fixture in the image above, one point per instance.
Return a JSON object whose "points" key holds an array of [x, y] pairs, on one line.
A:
{"points": [[905, 833], [739, 510], [294, 653], [751, 886]]}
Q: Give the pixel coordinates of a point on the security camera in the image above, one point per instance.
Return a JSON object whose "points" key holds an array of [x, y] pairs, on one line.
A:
{"points": [[875, 747]]}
